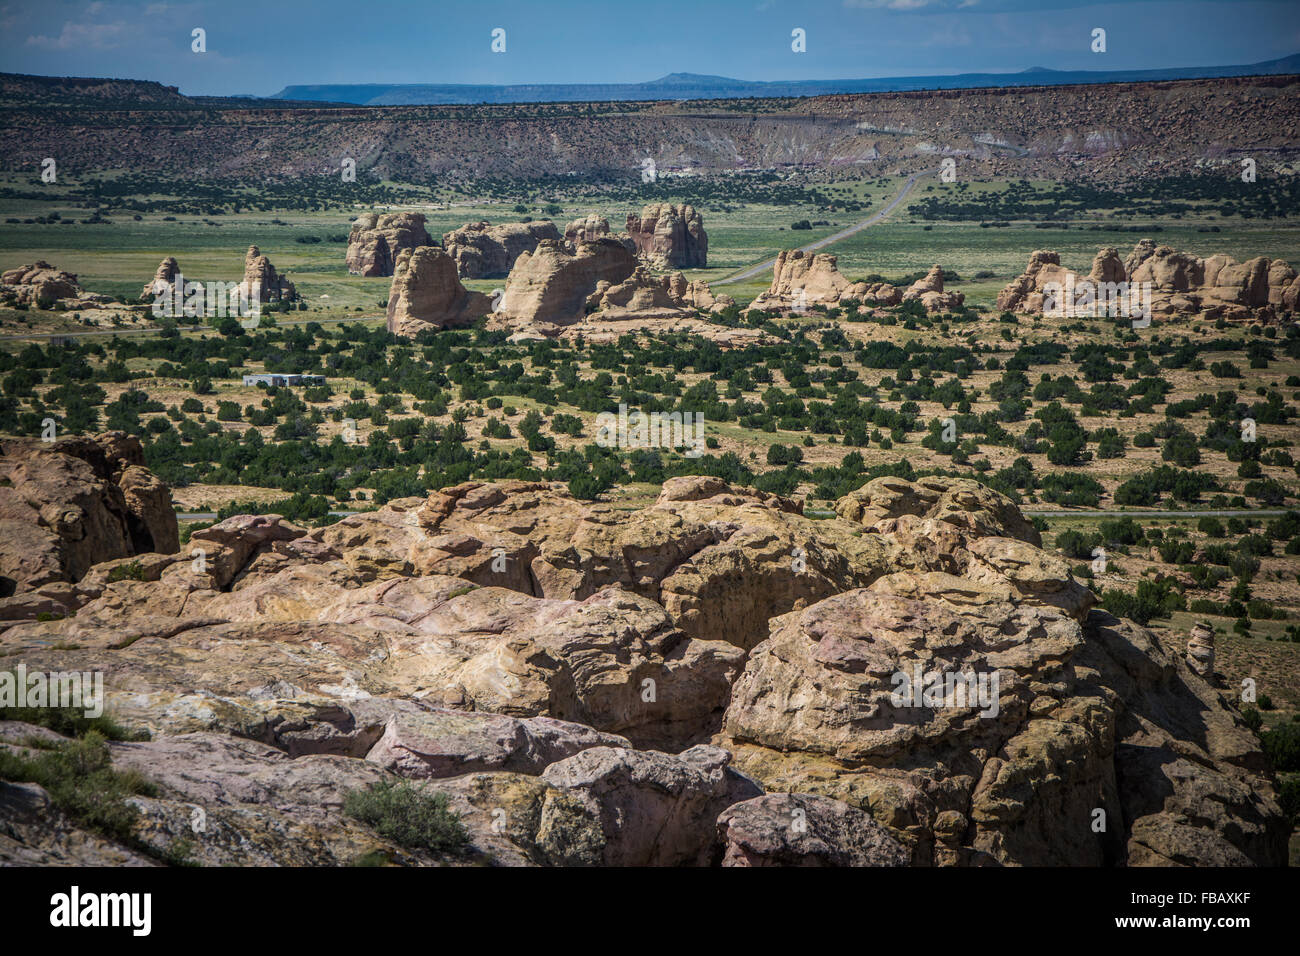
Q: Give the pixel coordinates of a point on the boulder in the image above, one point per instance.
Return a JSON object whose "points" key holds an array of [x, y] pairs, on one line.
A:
{"points": [[427, 294], [550, 286], [483, 251], [376, 241], [803, 829], [670, 236]]}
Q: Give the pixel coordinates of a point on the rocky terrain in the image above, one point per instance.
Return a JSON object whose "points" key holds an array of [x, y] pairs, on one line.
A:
{"points": [[705, 680], [427, 294], [261, 283], [484, 251], [804, 279], [42, 284], [670, 236], [376, 241], [1182, 284], [1075, 132]]}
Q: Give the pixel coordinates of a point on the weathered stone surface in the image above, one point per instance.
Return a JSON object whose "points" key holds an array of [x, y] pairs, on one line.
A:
{"points": [[376, 241], [670, 236], [163, 283], [1181, 283], [642, 296], [655, 809], [803, 829], [928, 290], [550, 286], [801, 280], [483, 251], [961, 502], [39, 284], [427, 294], [588, 229], [261, 283], [69, 504]]}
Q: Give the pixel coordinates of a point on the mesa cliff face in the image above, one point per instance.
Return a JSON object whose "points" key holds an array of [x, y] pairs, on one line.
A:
{"points": [[376, 241], [655, 687]]}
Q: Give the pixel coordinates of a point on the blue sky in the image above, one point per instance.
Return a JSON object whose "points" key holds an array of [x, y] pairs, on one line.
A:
{"points": [[260, 46]]}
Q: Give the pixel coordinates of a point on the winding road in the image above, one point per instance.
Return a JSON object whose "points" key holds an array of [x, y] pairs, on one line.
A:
{"points": [[834, 237]]}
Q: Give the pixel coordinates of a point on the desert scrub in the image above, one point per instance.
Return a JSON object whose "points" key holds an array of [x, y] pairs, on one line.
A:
{"points": [[80, 779], [409, 817], [132, 571], [70, 721]]}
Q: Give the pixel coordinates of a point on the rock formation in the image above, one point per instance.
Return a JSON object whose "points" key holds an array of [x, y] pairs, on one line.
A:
{"points": [[375, 241], [670, 236], [801, 280], [70, 504], [1200, 650], [928, 290], [1180, 283], [41, 284], [262, 283], [163, 282], [427, 294], [550, 286], [712, 678], [483, 251], [591, 228], [643, 296]]}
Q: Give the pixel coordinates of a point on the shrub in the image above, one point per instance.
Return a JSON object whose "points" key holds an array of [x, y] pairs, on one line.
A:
{"points": [[409, 817]]}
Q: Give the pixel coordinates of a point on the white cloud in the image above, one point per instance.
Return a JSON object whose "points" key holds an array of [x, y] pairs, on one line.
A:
{"points": [[81, 36]]}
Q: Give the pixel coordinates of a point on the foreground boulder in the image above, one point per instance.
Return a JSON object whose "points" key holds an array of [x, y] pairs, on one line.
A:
{"points": [[70, 504], [376, 241], [914, 678], [483, 251], [802, 829], [427, 294]]}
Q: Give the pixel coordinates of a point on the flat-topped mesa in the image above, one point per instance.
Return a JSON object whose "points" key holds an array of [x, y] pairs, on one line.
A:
{"points": [[551, 284], [376, 241], [164, 280], [1180, 284], [670, 236], [427, 294], [928, 290], [262, 283], [645, 296], [484, 251], [801, 280]]}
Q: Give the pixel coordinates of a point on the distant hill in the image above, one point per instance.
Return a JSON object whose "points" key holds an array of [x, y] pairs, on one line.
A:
{"points": [[696, 86]]}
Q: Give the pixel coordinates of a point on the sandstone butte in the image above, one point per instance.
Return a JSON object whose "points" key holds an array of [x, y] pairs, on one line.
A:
{"points": [[1182, 284], [483, 251], [376, 241], [290, 666]]}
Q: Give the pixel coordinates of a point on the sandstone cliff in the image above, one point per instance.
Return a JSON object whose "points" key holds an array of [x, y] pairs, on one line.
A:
{"points": [[670, 236], [483, 251], [427, 294], [550, 286], [375, 241]]}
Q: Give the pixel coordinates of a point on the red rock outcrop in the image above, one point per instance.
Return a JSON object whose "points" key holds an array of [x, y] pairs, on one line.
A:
{"points": [[376, 241], [427, 294], [483, 251]]}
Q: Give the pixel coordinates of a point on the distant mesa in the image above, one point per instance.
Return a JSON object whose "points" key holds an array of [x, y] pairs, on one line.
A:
{"points": [[376, 241], [1182, 284], [670, 236], [484, 251], [427, 294]]}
